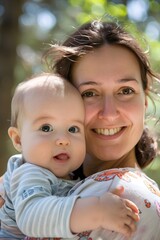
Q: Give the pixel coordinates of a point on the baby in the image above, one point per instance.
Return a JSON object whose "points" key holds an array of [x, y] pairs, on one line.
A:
{"points": [[47, 127]]}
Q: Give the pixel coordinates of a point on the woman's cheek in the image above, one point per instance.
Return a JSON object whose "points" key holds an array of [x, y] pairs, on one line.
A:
{"points": [[90, 113]]}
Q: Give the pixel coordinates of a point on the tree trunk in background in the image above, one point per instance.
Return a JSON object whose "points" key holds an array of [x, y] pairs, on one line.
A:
{"points": [[9, 33]]}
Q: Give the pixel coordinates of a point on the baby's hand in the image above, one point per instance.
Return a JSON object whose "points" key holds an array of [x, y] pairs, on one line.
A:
{"points": [[1, 192], [1, 201], [119, 215]]}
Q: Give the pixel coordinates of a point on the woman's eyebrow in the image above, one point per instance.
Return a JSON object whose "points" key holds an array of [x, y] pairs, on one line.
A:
{"points": [[88, 83], [123, 80]]}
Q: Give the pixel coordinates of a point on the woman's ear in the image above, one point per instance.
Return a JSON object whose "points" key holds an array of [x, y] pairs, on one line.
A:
{"points": [[14, 135]]}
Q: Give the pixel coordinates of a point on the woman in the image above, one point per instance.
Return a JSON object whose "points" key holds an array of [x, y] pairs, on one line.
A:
{"points": [[96, 56], [114, 77]]}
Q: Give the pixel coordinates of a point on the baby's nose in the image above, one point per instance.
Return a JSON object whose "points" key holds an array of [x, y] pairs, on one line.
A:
{"points": [[64, 141]]}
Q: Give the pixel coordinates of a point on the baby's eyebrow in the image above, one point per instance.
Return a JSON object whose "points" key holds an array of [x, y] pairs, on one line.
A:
{"points": [[41, 118], [79, 121]]}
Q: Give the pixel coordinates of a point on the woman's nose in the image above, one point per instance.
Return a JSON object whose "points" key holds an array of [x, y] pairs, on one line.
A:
{"points": [[109, 109], [62, 141]]}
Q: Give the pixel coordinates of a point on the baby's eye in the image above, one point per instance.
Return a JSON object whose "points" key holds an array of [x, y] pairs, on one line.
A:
{"points": [[88, 94], [73, 129], [126, 91], [46, 128]]}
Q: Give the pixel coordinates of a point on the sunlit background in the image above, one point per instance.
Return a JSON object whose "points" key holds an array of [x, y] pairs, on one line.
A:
{"points": [[28, 26]]}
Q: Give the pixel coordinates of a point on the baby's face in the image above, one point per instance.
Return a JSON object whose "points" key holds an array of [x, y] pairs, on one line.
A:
{"points": [[52, 133]]}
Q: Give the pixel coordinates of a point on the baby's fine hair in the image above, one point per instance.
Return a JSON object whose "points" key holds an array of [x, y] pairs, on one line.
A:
{"points": [[93, 35], [49, 82]]}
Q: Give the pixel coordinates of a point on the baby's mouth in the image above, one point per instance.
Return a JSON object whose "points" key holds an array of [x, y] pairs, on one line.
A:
{"points": [[62, 156], [107, 131]]}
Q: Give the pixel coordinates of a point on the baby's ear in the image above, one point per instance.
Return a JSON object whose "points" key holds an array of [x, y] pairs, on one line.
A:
{"points": [[14, 135]]}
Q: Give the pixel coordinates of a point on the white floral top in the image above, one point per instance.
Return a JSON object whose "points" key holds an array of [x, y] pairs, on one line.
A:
{"points": [[140, 189]]}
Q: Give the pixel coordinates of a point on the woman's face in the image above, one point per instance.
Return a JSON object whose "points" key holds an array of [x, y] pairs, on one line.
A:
{"points": [[109, 81]]}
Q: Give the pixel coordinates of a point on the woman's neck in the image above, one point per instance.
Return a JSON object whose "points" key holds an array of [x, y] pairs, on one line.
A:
{"points": [[93, 165]]}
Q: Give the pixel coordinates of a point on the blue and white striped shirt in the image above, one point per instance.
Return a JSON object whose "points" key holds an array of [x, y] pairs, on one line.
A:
{"points": [[36, 201]]}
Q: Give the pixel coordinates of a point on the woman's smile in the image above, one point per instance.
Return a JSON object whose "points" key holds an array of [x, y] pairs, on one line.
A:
{"points": [[107, 132]]}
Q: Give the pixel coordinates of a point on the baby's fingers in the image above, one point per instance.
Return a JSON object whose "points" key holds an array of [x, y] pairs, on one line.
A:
{"points": [[118, 190], [134, 216], [129, 228], [132, 206], [133, 211], [1, 201]]}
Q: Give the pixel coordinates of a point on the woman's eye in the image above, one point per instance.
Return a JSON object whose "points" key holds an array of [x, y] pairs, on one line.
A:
{"points": [[73, 129], [46, 128], [88, 94], [126, 91]]}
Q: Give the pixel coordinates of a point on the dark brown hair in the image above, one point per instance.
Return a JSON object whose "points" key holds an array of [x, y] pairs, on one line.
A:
{"points": [[95, 34]]}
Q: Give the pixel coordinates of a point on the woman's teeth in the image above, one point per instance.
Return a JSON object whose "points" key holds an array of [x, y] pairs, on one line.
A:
{"points": [[107, 132]]}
